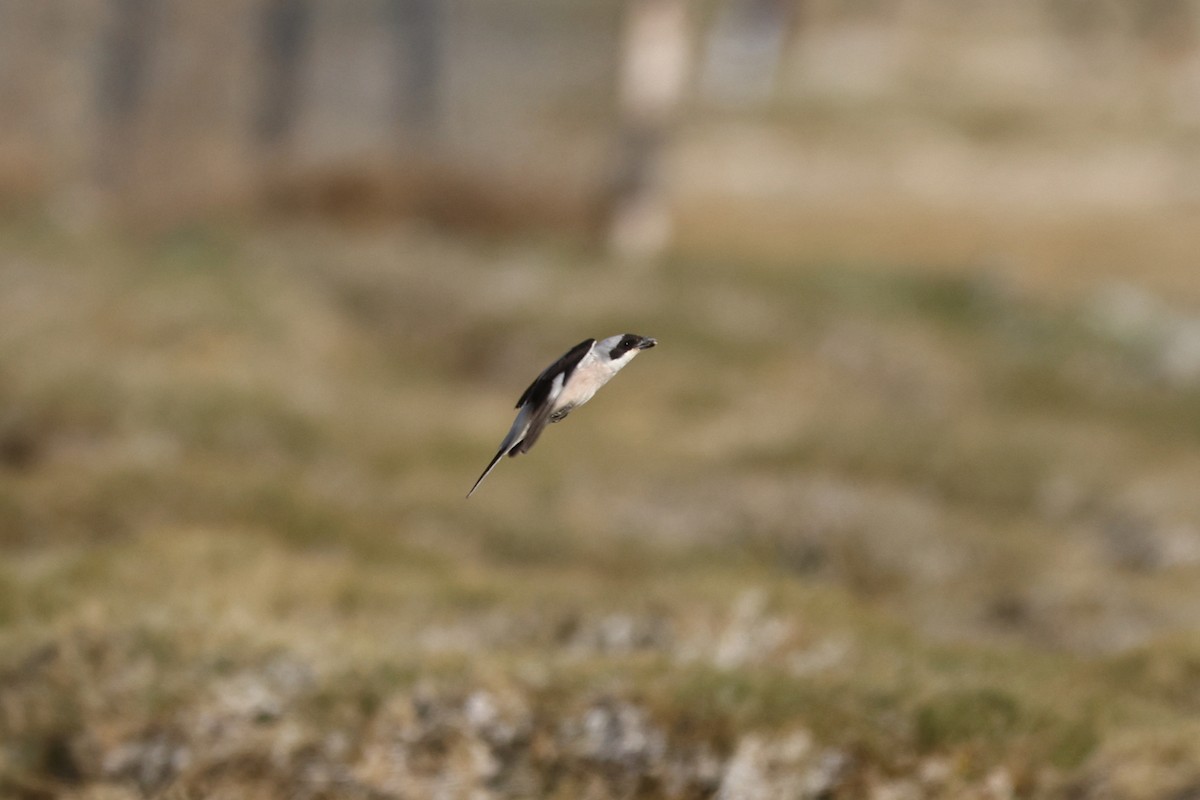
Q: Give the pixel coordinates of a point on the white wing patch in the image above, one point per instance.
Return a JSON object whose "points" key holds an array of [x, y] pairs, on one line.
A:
{"points": [[555, 389]]}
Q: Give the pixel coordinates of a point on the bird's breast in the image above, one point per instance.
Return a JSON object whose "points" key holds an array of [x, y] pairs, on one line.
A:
{"points": [[581, 387]]}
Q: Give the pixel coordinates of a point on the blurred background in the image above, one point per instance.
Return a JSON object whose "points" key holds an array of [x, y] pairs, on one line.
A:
{"points": [[905, 504]]}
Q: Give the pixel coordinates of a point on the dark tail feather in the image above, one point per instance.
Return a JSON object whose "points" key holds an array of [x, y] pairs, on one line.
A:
{"points": [[491, 466]]}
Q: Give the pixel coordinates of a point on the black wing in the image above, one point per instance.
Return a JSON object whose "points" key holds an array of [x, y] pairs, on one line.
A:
{"points": [[539, 390]]}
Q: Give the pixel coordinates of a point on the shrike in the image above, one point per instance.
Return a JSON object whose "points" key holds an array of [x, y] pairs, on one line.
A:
{"points": [[564, 385]]}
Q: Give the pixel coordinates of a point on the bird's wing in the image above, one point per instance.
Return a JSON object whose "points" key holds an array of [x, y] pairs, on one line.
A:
{"points": [[539, 416], [539, 390]]}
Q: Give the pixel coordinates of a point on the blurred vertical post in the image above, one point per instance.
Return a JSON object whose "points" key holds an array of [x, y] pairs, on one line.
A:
{"points": [[417, 27], [745, 49], [123, 76], [284, 37], [654, 65]]}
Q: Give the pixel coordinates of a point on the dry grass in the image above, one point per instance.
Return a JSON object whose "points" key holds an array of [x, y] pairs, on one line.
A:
{"points": [[912, 533]]}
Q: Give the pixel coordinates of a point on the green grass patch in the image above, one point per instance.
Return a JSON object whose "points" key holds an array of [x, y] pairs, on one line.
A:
{"points": [[243, 507]]}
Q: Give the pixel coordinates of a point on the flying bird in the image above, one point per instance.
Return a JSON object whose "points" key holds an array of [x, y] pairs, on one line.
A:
{"points": [[565, 385]]}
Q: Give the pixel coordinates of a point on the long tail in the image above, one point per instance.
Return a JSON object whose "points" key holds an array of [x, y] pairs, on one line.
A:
{"points": [[491, 466], [515, 433]]}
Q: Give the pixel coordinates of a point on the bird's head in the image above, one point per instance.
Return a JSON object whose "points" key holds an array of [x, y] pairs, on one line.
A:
{"points": [[624, 346]]}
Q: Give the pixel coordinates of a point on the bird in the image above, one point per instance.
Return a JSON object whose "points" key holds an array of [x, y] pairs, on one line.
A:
{"points": [[563, 386]]}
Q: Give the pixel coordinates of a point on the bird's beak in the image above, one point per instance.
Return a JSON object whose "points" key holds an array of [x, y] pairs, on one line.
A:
{"points": [[647, 343]]}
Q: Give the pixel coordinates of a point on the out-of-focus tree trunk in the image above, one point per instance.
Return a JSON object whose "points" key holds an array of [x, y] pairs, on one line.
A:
{"points": [[653, 74], [284, 39], [418, 30], [126, 53]]}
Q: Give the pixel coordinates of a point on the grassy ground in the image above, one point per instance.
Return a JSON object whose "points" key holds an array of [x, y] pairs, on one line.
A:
{"points": [[847, 532]]}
